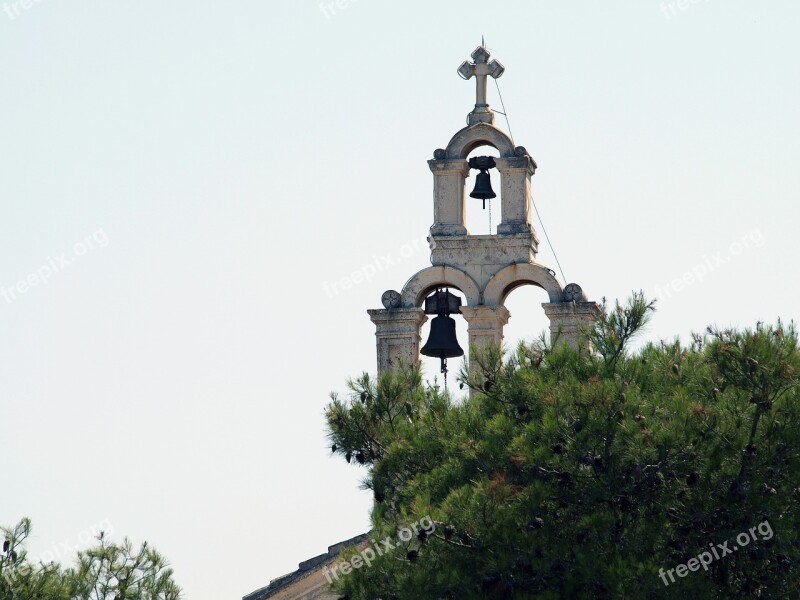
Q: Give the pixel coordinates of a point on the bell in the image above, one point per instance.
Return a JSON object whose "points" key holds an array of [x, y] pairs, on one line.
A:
{"points": [[483, 187], [442, 342]]}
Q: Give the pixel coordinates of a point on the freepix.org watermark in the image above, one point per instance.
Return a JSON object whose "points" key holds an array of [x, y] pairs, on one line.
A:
{"points": [[378, 264], [330, 9], [54, 264], [15, 8], [62, 550], [754, 239], [375, 549], [717, 551], [670, 9]]}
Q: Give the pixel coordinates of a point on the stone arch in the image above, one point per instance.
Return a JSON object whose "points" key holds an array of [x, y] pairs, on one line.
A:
{"points": [[469, 138], [416, 288], [512, 276]]}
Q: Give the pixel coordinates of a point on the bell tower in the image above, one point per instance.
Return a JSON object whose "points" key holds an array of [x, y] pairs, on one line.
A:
{"points": [[484, 268]]}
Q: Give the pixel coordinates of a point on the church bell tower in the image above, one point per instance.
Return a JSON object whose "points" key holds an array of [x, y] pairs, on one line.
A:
{"points": [[484, 268]]}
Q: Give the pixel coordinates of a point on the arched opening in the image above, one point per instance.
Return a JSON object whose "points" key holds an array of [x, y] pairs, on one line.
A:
{"points": [[425, 281], [469, 138], [528, 320], [480, 221], [501, 283]]}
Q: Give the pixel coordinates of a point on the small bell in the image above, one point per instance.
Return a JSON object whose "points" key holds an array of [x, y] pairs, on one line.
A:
{"points": [[483, 182], [483, 187]]}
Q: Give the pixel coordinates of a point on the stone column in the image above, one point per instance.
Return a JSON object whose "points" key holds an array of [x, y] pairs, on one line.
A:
{"points": [[449, 210], [485, 327], [570, 322], [485, 324], [515, 175], [397, 332]]}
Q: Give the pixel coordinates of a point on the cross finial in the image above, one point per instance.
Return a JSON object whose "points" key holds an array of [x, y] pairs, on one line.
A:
{"points": [[480, 69]]}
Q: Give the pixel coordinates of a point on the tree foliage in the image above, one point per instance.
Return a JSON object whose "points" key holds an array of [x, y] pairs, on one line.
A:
{"points": [[573, 474], [108, 571]]}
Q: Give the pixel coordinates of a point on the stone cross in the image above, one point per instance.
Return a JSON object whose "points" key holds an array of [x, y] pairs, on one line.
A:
{"points": [[480, 69]]}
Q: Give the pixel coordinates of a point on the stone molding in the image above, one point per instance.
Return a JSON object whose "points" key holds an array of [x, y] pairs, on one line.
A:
{"points": [[570, 322], [485, 324]]}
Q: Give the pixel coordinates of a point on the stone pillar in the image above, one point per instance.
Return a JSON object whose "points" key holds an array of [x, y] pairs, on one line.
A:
{"points": [[449, 210], [571, 321], [485, 327], [397, 332], [485, 324], [515, 175]]}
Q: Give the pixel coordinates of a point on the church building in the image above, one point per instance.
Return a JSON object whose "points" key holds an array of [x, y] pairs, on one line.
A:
{"points": [[483, 268]]}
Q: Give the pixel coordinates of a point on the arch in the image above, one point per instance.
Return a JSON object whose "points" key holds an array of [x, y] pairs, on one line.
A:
{"points": [[512, 276], [469, 138], [416, 288]]}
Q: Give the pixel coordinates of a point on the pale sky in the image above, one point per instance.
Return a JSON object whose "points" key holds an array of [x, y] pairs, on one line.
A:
{"points": [[180, 181]]}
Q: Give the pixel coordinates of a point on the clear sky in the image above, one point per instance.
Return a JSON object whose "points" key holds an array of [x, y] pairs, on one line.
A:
{"points": [[180, 181]]}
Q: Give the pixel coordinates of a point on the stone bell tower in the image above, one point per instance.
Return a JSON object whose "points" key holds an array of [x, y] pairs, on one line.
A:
{"points": [[484, 268]]}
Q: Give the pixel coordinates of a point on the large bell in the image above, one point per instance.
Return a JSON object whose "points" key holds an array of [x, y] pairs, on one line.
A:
{"points": [[442, 342], [483, 187]]}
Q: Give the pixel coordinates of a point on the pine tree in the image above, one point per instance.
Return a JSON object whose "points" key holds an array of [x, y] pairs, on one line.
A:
{"points": [[107, 571], [586, 475]]}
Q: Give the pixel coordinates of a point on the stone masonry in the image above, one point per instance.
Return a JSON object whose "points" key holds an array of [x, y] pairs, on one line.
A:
{"points": [[484, 268]]}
